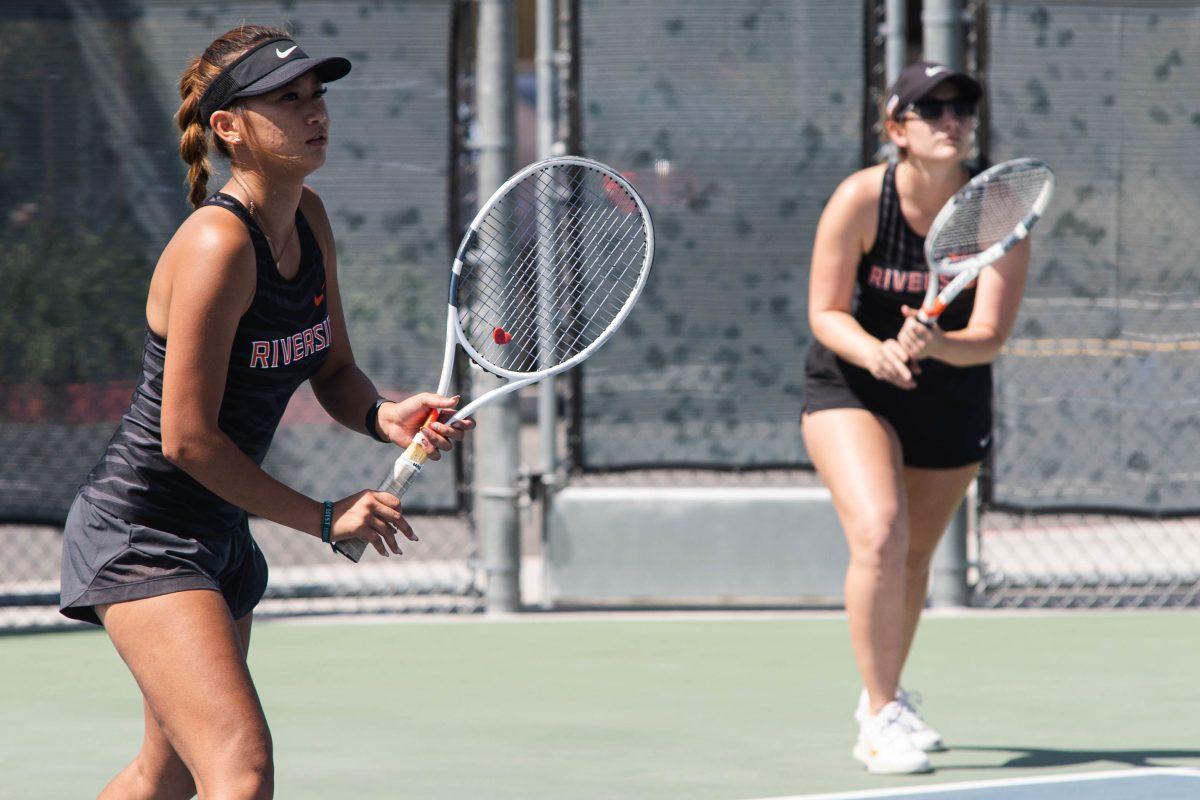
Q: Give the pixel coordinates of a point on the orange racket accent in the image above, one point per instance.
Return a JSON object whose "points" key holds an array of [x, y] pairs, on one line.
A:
{"points": [[936, 309]]}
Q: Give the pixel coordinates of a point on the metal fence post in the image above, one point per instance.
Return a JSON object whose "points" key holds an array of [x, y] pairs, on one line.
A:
{"points": [[895, 30], [546, 56], [496, 442], [941, 27], [546, 118], [941, 22]]}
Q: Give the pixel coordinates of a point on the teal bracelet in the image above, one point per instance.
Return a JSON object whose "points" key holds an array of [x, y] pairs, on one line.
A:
{"points": [[326, 521]]}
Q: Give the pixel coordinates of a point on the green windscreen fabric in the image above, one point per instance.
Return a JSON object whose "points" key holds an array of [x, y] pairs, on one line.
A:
{"points": [[736, 120], [1096, 393]]}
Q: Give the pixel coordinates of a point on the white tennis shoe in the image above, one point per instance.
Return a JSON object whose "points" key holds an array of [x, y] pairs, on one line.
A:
{"points": [[885, 747], [923, 736]]}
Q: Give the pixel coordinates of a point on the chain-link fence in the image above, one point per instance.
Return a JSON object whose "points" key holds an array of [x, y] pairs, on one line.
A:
{"points": [[736, 120], [1097, 409], [91, 188]]}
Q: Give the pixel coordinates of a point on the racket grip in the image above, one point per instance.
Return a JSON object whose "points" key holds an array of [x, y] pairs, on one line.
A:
{"points": [[407, 467], [927, 315]]}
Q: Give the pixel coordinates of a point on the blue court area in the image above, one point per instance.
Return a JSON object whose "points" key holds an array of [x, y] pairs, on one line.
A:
{"points": [[1140, 784]]}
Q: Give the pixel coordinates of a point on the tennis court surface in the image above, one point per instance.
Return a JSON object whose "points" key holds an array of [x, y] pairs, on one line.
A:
{"points": [[728, 707]]}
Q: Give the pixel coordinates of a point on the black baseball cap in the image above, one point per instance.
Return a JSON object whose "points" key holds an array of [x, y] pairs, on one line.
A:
{"points": [[918, 80], [266, 67]]}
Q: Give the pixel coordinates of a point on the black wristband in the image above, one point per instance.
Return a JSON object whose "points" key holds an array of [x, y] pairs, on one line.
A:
{"points": [[372, 420], [326, 521]]}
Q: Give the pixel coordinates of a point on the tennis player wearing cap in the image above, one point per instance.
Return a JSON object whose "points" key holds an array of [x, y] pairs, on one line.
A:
{"points": [[897, 417], [244, 306]]}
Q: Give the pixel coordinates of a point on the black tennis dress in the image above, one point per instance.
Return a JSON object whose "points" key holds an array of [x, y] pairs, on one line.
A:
{"points": [[946, 421], [141, 526]]}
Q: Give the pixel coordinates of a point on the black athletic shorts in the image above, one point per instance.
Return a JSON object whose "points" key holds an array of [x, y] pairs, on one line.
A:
{"points": [[108, 560], [945, 422]]}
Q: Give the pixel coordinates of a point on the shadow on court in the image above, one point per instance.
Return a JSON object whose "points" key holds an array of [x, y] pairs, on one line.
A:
{"points": [[1031, 757]]}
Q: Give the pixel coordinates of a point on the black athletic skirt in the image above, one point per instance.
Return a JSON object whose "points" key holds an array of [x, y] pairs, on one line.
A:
{"points": [[108, 560], [945, 422]]}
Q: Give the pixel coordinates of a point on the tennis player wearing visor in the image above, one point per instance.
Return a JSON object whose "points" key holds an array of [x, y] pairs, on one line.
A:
{"points": [[244, 307]]}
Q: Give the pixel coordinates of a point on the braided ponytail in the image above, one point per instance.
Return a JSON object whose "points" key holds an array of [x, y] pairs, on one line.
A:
{"points": [[202, 71], [193, 143]]}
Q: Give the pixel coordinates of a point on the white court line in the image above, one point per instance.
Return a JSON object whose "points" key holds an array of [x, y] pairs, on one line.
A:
{"points": [[941, 788]]}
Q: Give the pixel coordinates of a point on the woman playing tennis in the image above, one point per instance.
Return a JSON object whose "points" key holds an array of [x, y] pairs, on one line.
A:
{"points": [[897, 416], [244, 306]]}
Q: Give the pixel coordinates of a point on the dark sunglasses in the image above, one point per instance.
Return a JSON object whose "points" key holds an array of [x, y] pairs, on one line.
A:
{"points": [[931, 110]]}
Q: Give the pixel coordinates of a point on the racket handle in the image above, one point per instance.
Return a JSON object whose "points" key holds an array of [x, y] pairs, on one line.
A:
{"points": [[405, 469], [396, 484], [928, 315]]}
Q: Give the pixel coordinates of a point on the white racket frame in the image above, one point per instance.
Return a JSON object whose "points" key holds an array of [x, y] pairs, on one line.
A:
{"points": [[967, 269], [409, 463]]}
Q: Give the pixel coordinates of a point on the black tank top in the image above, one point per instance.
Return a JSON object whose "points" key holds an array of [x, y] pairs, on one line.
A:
{"points": [[280, 342], [893, 273]]}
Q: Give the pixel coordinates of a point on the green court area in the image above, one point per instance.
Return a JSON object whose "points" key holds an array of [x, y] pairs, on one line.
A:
{"points": [[655, 707]]}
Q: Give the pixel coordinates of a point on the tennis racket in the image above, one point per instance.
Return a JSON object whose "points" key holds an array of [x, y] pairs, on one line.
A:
{"points": [[982, 221], [545, 274]]}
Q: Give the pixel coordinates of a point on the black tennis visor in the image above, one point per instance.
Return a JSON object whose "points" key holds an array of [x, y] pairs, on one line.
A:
{"points": [[274, 63]]}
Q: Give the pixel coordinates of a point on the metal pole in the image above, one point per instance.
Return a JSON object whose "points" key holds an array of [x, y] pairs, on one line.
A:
{"points": [[548, 389], [545, 57], [895, 30], [496, 442], [941, 22], [941, 25], [546, 479]]}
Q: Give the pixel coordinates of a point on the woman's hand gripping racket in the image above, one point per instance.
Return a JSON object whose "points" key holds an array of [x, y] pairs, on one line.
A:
{"points": [[982, 222], [547, 271]]}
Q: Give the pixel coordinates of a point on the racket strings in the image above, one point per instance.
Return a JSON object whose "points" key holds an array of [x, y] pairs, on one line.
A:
{"points": [[583, 229], [569, 291], [570, 317], [552, 266], [523, 267], [989, 214], [494, 242], [600, 309]]}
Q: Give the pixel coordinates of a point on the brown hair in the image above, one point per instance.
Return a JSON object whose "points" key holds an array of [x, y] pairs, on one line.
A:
{"points": [[200, 72], [888, 148]]}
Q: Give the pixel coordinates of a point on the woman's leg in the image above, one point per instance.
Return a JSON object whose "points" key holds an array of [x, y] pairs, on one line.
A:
{"points": [[188, 656], [157, 772], [933, 495], [858, 457]]}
